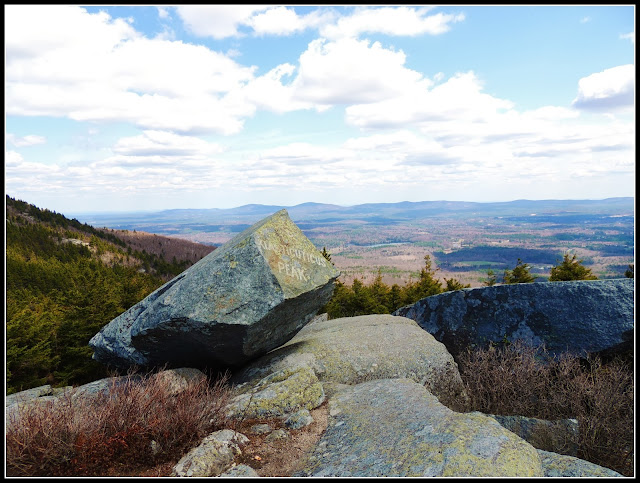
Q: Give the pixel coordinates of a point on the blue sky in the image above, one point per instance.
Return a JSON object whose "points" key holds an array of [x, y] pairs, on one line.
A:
{"points": [[149, 108]]}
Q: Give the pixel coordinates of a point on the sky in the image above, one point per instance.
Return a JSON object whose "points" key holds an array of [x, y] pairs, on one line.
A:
{"points": [[122, 108]]}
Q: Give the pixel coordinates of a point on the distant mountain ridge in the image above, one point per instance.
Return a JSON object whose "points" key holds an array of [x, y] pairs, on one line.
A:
{"points": [[310, 211]]}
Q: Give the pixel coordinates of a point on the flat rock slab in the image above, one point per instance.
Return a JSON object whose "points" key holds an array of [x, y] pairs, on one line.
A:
{"points": [[559, 436], [245, 298], [351, 350], [578, 317], [395, 427], [557, 465]]}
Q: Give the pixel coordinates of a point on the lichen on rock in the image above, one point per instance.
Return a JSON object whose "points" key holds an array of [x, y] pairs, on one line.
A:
{"points": [[278, 395], [395, 427]]}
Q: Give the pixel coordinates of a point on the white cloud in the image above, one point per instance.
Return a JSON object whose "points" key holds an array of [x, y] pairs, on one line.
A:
{"points": [[224, 21], [631, 36], [391, 21], [585, 20], [115, 74], [459, 99], [165, 144], [610, 89], [350, 71], [346, 71], [445, 133], [29, 140], [31, 29], [285, 21], [271, 92], [217, 21], [12, 158]]}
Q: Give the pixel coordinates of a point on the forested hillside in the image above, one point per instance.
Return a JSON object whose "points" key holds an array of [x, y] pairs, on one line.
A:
{"points": [[65, 280]]}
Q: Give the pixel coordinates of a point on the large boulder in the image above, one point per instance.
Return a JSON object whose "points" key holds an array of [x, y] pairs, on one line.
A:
{"points": [[577, 317], [247, 297], [351, 350], [395, 427]]}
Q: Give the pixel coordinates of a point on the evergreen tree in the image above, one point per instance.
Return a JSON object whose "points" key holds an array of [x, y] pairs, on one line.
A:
{"points": [[326, 254], [341, 302], [629, 271], [520, 274], [380, 294], [454, 284], [395, 298], [491, 278], [570, 269], [427, 284]]}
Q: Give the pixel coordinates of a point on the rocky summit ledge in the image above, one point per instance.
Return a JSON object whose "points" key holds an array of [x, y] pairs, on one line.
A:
{"points": [[381, 422]]}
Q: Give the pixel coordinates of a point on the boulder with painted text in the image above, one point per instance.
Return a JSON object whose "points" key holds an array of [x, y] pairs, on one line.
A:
{"points": [[246, 298]]}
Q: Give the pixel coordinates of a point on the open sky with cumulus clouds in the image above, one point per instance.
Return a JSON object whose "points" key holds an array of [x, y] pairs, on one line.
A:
{"points": [[149, 108]]}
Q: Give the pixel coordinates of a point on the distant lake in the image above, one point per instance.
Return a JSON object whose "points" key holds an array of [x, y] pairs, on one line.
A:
{"points": [[384, 244]]}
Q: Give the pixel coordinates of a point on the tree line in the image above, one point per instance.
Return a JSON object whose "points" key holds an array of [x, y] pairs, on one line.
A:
{"points": [[60, 294], [379, 298]]}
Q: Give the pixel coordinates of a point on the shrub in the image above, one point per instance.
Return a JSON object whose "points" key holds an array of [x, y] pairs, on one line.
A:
{"points": [[111, 433], [516, 379]]}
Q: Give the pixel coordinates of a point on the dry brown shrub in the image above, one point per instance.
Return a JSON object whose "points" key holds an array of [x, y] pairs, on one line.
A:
{"points": [[112, 431], [517, 379]]}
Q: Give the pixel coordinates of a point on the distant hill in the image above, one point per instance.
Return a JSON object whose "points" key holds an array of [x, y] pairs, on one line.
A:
{"points": [[65, 280], [195, 220]]}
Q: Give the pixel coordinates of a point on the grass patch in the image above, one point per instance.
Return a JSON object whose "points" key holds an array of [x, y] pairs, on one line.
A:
{"points": [[520, 380]]}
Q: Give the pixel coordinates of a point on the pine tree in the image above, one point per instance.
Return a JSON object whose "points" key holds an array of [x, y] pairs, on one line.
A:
{"points": [[491, 278], [520, 274], [454, 284], [570, 269], [326, 254]]}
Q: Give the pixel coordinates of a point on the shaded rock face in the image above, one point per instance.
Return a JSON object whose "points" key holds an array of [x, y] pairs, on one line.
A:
{"points": [[578, 317], [395, 427], [247, 297]]}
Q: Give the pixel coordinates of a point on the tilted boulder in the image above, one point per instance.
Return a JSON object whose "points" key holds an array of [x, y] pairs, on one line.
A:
{"points": [[578, 317], [245, 298]]}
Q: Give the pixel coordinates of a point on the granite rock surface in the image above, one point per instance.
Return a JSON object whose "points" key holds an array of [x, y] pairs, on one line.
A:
{"points": [[579, 317]]}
